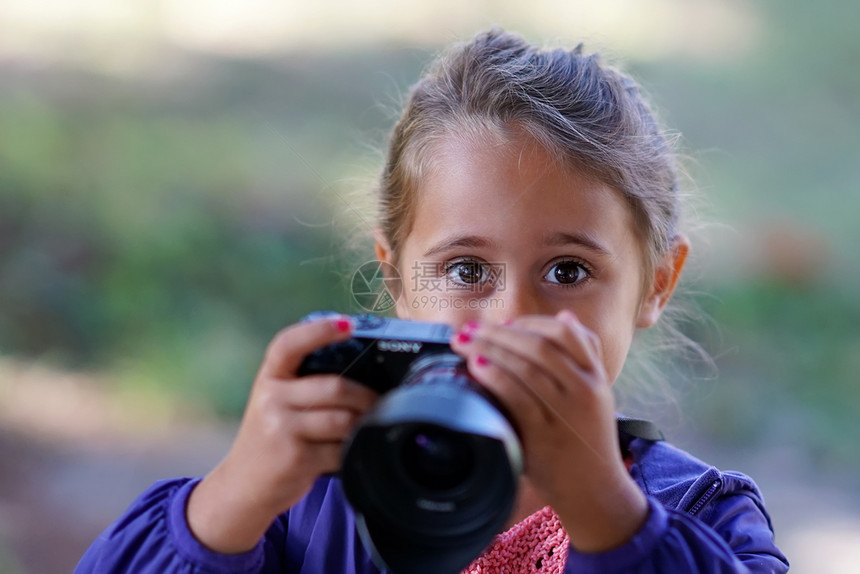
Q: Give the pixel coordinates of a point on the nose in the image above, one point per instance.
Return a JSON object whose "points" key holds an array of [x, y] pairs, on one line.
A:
{"points": [[512, 301]]}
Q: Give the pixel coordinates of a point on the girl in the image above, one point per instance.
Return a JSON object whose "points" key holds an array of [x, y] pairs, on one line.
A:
{"points": [[548, 165]]}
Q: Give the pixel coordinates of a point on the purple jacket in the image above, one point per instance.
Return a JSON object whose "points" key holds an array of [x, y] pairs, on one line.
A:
{"points": [[701, 520]]}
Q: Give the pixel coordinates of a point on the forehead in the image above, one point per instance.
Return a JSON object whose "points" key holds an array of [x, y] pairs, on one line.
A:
{"points": [[511, 186]]}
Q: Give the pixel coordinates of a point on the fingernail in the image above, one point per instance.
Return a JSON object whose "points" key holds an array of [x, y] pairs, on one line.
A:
{"points": [[343, 325], [470, 326], [482, 361], [463, 337], [507, 322]]}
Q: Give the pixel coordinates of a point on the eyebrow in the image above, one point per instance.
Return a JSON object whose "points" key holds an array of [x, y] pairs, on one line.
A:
{"points": [[582, 239], [472, 241], [554, 239]]}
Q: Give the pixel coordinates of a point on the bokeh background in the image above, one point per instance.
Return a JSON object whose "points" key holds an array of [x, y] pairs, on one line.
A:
{"points": [[181, 178]]}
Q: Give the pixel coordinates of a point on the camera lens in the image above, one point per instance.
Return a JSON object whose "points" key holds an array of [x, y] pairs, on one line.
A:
{"points": [[437, 459], [432, 470]]}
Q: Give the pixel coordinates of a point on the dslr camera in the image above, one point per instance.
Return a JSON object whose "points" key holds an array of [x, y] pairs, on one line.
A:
{"points": [[432, 470]]}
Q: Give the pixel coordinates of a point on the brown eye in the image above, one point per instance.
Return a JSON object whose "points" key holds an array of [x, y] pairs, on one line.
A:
{"points": [[466, 272], [470, 272], [566, 273]]}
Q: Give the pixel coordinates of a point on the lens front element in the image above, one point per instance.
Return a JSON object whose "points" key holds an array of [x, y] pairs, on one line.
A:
{"points": [[437, 459]]}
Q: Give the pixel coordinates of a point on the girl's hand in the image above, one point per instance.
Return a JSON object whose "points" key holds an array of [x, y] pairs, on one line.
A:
{"points": [[291, 433], [549, 374]]}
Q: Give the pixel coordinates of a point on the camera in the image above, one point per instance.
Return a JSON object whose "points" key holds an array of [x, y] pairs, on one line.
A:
{"points": [[432, 470]]}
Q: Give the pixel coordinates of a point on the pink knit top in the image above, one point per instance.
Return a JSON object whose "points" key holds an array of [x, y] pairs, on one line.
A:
{"points": [[537, 544]]}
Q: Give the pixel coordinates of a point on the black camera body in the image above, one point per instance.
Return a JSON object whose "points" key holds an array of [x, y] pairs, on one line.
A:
{"points": [[432, 470], [380, 351]]}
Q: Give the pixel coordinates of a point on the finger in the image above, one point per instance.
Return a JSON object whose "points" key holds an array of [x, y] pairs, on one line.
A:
{"points": [[549, 344], [533, 411], [525, 370], [523, 401], [533, 355], [328, 391], [324, 425], [568, 334], [591, 338], [290, 346]]}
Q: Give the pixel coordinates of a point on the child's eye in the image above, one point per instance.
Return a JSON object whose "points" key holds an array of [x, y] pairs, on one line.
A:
{"points": [[567, 273], [466, 272]]}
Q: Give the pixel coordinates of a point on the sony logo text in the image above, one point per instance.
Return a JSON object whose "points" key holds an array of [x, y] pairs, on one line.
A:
{"points": [[399, 346]]}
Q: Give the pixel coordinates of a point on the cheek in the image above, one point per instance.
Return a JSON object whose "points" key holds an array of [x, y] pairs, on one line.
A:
{"points": [[615, 351], [615, 331], [621, 324], [422, 306], [424, 297]]}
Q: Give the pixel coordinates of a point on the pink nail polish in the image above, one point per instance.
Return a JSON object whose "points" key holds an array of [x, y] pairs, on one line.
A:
{"points": [[463, 337], [470, 326], [482, 361], [507, 322], [343, 325]]}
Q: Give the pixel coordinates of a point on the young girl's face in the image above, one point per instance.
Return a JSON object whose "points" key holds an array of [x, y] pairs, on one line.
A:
{"points": [[500, 231]]}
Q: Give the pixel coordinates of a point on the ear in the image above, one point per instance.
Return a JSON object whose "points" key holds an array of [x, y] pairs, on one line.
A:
{"points": [[384, 254], [663, 283], [381, 248]]}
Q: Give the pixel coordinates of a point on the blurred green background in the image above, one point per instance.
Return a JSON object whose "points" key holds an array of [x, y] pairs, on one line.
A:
{"points": [[177, 180]]}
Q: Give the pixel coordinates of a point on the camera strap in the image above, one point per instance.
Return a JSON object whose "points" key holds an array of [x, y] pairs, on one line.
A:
{"points": [[638, 428]]}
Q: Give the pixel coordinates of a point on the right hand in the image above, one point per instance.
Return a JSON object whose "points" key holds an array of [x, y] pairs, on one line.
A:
{"points": [[292, 432]]}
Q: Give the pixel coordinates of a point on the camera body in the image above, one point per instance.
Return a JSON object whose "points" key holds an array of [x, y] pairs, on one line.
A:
{"points": [[432, 470], [380, 351]]}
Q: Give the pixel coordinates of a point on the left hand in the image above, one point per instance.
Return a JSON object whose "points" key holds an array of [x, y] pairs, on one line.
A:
{"points": [[548, 372]]}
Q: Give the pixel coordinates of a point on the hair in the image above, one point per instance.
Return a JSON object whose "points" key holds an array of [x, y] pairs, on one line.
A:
{"points": [[587, 115]]}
